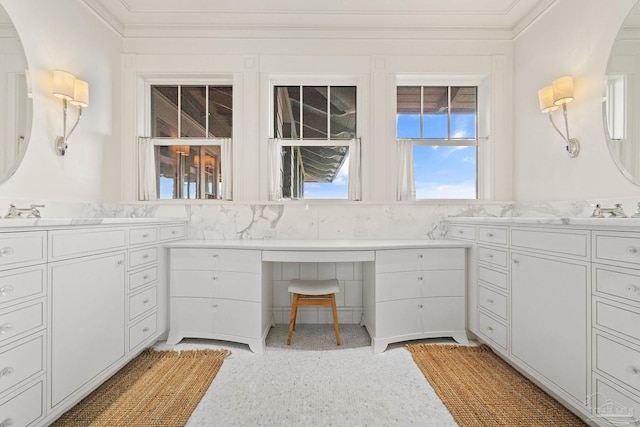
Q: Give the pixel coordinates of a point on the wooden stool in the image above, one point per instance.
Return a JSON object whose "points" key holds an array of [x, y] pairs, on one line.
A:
{"points": [[313, 292]]}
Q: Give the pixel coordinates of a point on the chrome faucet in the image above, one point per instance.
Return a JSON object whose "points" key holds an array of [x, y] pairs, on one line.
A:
{"points": [[615, 212], [30, 212]]}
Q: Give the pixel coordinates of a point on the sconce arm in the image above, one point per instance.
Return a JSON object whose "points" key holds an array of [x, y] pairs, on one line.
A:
{"points": [[572, 144]]}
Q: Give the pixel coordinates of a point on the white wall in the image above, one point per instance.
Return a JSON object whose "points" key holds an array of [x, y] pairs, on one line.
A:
{"points": [[574, 37], [63, 34]]}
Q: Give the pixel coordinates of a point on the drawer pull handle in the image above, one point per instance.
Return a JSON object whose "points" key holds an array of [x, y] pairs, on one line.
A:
{"points": [[6, 251], [420, 256], [8, 371], [489, 329], [632, 250], [145, 329], [215, 256], [214, 305], [515, 261], [120, 262], [214, 278], [146, 276], [7, 327], [489, 234], [420, 277], [7, 422], [490, 256], [634, 370], [6, 290], [144, 236], [631, 288], [145, 301], [489, 301], [145, 256], [174, 232], [460, 231]]}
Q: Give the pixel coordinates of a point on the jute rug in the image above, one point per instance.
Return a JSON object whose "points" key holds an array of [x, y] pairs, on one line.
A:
{"points": [[480, 389], [157, 388]]}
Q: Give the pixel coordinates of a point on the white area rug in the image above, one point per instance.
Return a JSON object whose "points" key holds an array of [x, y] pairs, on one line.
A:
{"points": [[313, 382]]}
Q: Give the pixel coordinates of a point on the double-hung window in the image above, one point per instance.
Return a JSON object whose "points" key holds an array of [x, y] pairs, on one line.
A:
{"points": [[189, 150], [314, 152], [437, 138]]}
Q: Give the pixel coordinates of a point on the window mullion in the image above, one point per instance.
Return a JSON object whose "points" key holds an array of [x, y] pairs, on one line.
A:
{"points": [[448, 112], [421, 112], [179, 111], [206, 111]]}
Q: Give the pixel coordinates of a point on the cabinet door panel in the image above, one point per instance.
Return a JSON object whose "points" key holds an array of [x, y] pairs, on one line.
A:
{"points": [[443, 314], [398, 318], [216, 284], [212, 316], [549, 312], [87, 321], [415, 284]]}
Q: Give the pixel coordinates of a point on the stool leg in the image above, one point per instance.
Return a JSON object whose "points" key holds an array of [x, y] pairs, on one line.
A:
{"points": [[335, 318], [292, 318]]}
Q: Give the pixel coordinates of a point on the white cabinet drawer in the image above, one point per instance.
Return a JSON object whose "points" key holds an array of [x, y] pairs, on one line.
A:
{"points": [[21, 283], [73, 243], [220, 317], [171, 232], [624, 319], [465, 232], [493, 235], [140, 236], [420, 259], [619, 247], [492, 301], [21, 361], [618, 282], [142, 302], [620, 361], [493, 277], [143, 277], [418, 284], [216, 284], [240, 260], [24, 408], [612, 404], [20, 319], [492, 256], [143, 330], [21, 249], [493, 330], [557, 241], [142, 257]]}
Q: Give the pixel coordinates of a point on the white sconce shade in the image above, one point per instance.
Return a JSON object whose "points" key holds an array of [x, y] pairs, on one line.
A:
{"points": [[563, 90], [63, 84], [545, 97], [81, 94]]}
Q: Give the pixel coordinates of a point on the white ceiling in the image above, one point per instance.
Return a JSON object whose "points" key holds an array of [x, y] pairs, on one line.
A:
{"points": [[152, 18]]}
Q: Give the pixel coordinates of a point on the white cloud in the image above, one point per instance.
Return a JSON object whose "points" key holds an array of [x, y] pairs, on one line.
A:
{"points": [[432, 190]]}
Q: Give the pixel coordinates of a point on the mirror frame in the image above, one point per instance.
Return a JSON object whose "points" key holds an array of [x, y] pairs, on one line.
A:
{"points": [[9, 172]]}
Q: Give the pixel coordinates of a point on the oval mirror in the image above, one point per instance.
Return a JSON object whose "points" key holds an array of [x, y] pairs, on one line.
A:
{"points": [[621, 102], [15, 106]]}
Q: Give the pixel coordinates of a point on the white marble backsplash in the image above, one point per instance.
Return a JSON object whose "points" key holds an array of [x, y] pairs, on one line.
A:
{"points": [[299, 220]]}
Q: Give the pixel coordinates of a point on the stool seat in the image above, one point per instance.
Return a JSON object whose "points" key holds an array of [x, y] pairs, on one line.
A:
{"points": [[314, 287], [313, 292]]}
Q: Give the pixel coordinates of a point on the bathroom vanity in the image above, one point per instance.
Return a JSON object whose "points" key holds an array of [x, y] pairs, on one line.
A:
{"points": [[560, 300], [79, 298]]}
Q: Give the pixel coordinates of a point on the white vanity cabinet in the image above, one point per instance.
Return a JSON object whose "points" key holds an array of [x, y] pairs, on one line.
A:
{"points": [[565, 310], [77, 302], [419, 293], [219, 294], [616, 325]]}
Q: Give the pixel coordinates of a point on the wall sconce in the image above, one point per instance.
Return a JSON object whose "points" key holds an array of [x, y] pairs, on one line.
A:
{"points": [[551, 97], [75, 92]]}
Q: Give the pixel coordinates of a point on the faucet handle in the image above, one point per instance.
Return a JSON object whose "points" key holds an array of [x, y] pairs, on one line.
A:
{"points": [[637, 212]]}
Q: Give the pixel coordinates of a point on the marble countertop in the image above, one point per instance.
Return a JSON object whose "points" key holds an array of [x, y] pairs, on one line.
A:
{"points": [[590, 222], [63, 222], [319, 245]]}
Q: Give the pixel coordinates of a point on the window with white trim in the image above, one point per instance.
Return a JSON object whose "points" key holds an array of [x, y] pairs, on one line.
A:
{"points": [[190, 145], [437, 138], [314, 152]]}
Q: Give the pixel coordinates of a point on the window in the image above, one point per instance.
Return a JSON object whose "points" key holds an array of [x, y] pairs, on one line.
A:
{"points": [[616, 107], [315, 153], [437, 142], [191, 129]]}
